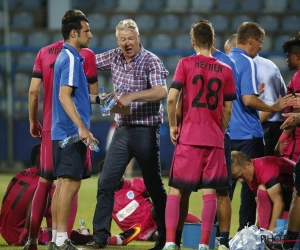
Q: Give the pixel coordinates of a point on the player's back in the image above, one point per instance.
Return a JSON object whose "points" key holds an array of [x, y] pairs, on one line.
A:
{"points": [[17, 197], [43, 69], [206, 84]]}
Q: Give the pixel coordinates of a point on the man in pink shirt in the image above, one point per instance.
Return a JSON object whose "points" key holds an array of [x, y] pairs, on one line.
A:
{"points": [[271, 180]]}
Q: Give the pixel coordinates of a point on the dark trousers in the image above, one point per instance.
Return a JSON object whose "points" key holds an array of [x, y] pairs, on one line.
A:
{"points": [[142, 143], [272, 133], [254, 148]]}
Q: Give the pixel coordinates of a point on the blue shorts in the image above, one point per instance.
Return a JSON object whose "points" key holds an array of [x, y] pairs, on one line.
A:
{"points": [[72, 161]]}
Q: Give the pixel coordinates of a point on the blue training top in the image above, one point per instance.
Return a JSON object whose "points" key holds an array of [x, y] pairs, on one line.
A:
{"points": [[226, 59], [68, 71], [244, 123]]}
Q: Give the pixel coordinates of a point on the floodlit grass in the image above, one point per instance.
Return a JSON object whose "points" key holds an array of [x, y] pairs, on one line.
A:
{"points": [[86, 207]]}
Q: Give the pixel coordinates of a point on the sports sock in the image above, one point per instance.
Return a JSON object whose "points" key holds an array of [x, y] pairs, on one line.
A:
{"points": [[54, 234], [39, 205], [172, 217], [264, 208], [224, 239], [61, 237], [114, 240], [208, 214]]}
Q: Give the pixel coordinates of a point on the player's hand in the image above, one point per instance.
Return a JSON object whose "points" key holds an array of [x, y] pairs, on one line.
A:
{"points": [[295, 102], [173, 134], [278, 149], [291, 121], [284, 102], [36, 130]]}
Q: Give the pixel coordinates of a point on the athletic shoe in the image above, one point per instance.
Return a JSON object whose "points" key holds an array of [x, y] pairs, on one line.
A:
{"points": [[203, 247], [51, 245], [28, 246], [80, 239], [93, 244], [170, 247], [66, 246], [158, 245], [131, 234], [269, 245]]}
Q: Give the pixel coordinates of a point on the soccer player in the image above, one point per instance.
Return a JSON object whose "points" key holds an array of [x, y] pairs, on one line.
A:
{"points": [[207, 87], [43, 74], [133, 212], [289, 142], [230, 43], [223, 200], [16, 203], [271, 180], [292, 50]]}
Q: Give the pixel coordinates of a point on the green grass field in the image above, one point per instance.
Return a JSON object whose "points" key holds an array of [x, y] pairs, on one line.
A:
{"points": [[86, 206]]}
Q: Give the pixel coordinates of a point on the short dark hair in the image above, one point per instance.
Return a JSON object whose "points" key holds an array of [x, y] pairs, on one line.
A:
{"points": [[248, 30], [72, 20], [202, 32], [292, 46], [35, 155]]}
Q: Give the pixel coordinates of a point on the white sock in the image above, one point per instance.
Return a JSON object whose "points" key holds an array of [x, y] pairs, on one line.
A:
{"points": [[60, 238], [54, 233], [169, 244], [203, 246], [119, 240]]}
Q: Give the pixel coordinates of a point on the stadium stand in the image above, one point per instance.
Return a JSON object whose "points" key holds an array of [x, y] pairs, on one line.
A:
{"points": [[128, 5], [201, 6], [168, 22], [38, 39], [145, 22], [275, 6], [176, 6], [253, 6], [270, 23], [17, 38], [228, 6], [22, 20]]}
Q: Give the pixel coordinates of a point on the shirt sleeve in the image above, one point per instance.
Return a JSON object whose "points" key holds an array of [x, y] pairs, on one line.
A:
{"points": [[249, 81]]}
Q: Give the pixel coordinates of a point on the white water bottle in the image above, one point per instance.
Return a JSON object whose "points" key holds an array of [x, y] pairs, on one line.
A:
{"points": [[83, 228], [104, 112], [111, 101]]}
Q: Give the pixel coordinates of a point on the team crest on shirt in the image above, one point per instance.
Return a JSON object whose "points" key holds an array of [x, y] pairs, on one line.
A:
{"points": [[130, 195]]}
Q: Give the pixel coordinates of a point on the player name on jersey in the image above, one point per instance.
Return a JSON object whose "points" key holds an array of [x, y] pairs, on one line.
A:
{"points": [[209, 66]]}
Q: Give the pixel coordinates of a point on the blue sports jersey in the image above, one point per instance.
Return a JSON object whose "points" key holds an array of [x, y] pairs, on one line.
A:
{"points": [[226, 59], [268, 73], [68, 71], [244, 123]]}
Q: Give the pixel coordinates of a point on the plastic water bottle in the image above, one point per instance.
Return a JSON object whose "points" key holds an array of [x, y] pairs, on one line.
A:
{"points": [[83, 228], [69, 140], [104, 112], [111, 101], [76, 138]]}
